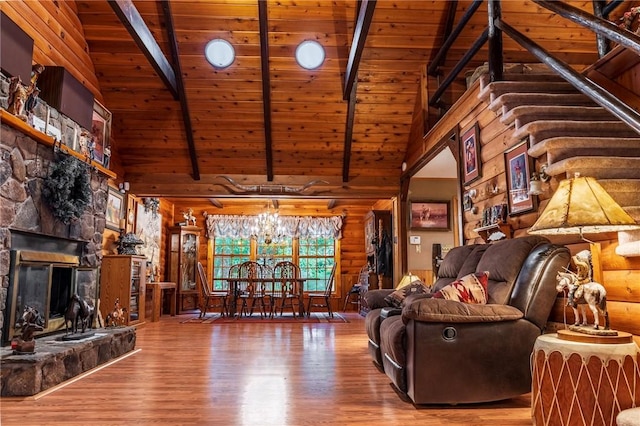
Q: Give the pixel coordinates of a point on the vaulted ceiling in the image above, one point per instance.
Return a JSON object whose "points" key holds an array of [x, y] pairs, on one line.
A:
{"points": [[264, 124]]}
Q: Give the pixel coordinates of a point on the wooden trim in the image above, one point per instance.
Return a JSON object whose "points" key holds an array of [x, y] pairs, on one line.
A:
{"points": [[13, 121]]}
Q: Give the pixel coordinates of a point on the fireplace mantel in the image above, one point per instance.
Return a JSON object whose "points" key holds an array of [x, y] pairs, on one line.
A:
{"points": [[16, 123]]}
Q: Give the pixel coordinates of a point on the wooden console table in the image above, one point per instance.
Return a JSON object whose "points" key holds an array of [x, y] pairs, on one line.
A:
{"points": [[157, 290]]}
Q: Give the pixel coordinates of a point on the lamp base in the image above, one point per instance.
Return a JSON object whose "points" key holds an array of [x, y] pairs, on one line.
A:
{"points": [[576, 336]]}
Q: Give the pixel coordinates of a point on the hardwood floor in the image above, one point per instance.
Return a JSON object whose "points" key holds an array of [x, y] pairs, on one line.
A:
{"points": [[245, 374]]}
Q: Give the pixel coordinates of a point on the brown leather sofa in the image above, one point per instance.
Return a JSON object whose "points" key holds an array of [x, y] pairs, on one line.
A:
{"points": [[441, 351]]}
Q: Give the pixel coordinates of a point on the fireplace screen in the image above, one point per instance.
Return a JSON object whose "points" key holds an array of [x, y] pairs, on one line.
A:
{"points": [[44, 281]]}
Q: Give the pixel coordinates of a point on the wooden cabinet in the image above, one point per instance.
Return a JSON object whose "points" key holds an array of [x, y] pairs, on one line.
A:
{"points": [[379, 247], [184, 242], [123, 277]]}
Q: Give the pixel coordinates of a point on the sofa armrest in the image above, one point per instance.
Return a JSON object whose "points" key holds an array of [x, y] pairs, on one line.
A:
{"points": [[389, 311], [374, 299], [450, 311]]}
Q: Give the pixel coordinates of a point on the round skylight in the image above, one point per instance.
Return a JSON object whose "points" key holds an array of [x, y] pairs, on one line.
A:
{"points": [[219, 53], [310, 54]]}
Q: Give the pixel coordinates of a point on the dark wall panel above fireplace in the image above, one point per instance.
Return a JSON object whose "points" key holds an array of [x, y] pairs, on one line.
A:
{"points": [[16, 50], [64, 92]]}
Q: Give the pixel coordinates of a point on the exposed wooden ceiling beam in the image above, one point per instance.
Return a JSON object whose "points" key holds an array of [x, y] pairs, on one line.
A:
{"points": [[266, 85], [360, 33], [130, 17], [363, 22], [348, 134], [184, 105]]}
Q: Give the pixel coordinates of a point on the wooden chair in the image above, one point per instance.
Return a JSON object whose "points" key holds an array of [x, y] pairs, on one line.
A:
{"points": [[286, 288], [324, 296], [252, 289], [354, 296], [207, 298]]}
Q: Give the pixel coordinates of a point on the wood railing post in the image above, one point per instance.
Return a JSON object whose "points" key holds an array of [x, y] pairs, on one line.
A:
{"points": [[495, 41]]}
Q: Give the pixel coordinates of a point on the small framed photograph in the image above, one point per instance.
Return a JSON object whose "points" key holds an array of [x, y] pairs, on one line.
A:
{"points": [[467, 202], [54, 132], [38, 123], [115, 208], [430, 215], [470, 146], [100, 132], [518, 166]]}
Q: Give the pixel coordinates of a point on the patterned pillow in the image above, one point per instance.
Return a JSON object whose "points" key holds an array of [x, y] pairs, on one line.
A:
{"points": [[397, 297], [471, 288]]}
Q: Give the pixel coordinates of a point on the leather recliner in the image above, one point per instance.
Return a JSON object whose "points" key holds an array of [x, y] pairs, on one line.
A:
{"points": [[447, 352]]}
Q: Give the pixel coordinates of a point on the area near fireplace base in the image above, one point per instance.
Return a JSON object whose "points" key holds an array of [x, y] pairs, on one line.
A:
{"points": [[56, 361]]}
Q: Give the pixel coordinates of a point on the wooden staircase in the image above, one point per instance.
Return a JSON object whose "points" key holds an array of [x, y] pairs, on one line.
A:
{"points": [[569, 132]]}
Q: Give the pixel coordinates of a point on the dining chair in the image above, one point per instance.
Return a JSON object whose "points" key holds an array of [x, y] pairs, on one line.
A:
{"points": [[286, 288], [208, 298], [252, 287], [325, 296], [354, 295]]}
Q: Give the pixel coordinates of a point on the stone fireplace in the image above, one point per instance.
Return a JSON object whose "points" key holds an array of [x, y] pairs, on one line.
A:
{"points": [[67, 257]]}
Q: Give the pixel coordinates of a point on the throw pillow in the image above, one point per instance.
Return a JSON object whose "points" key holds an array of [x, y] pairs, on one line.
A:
{"points": [[397, 297], [471, 288]]}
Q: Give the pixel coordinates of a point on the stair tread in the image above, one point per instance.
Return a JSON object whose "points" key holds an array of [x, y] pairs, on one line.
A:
{"points": [[597, 167], [498, 88], [527, 113], [545, 129], [582, 142], [512, 100]]}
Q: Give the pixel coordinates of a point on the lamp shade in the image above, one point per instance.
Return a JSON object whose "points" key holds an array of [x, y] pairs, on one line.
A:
{"points": [[581, 205], [407, 279]]}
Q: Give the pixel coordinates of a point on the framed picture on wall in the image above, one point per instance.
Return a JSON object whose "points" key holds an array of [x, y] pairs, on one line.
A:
{"points": [[430, 215], [100, 132], [518, 166], [470, 155], [115, 208]]}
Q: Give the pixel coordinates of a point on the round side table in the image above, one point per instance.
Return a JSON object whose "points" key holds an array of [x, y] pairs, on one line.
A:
{"points": [[582, 383]]}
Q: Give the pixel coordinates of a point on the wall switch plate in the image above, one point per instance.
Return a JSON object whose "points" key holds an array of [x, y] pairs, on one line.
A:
{"points": [[414, 239]]}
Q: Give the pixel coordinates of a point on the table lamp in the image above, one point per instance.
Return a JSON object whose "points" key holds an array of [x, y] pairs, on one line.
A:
{"points": [[407, 279], [582, 206]]}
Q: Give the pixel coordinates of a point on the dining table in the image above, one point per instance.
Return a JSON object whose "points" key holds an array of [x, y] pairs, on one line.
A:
{"points": [[234, 292]]}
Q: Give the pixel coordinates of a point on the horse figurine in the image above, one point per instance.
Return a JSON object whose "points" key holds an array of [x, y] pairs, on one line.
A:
{"points": [[591, 293], [78, 311], [189, 217]]}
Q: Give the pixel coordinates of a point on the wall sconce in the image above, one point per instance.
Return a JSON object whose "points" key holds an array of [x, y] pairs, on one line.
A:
{"points": [[124, 187], [535, 184]]}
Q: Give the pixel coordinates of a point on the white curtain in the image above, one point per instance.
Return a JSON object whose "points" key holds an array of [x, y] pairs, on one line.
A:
{"points": [[292, 226]]}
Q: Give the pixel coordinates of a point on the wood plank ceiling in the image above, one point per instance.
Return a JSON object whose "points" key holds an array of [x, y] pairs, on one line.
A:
{"points": [[308, 122]]}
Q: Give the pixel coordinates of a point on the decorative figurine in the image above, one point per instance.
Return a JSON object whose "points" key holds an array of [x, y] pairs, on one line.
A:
{"points": [[189, 217], [117, 317], [17, 98], [31, 321], [78, 311], [589, 293], [127, 243]]}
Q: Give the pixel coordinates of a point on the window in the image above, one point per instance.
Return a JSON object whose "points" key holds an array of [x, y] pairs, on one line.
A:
{"points": [[228, 251], [270, 254], [316, 257]]}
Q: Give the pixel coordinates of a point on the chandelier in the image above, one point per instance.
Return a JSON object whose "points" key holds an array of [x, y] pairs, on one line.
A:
{"points": [[267, 227]]}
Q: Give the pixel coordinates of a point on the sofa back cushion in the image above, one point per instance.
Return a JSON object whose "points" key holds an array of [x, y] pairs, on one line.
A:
{"points": [[504, 260], [458, 262]]}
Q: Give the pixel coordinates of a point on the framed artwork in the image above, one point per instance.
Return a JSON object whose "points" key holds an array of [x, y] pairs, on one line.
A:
{"points": [[470, 146], [148, 229], [115, 208], [100, 132], [518, 168], [467, 202], [430, 215]]}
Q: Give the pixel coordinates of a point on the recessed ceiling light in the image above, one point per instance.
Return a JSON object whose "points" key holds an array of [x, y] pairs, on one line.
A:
{"points": [[310, 54], [219, 53]]}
